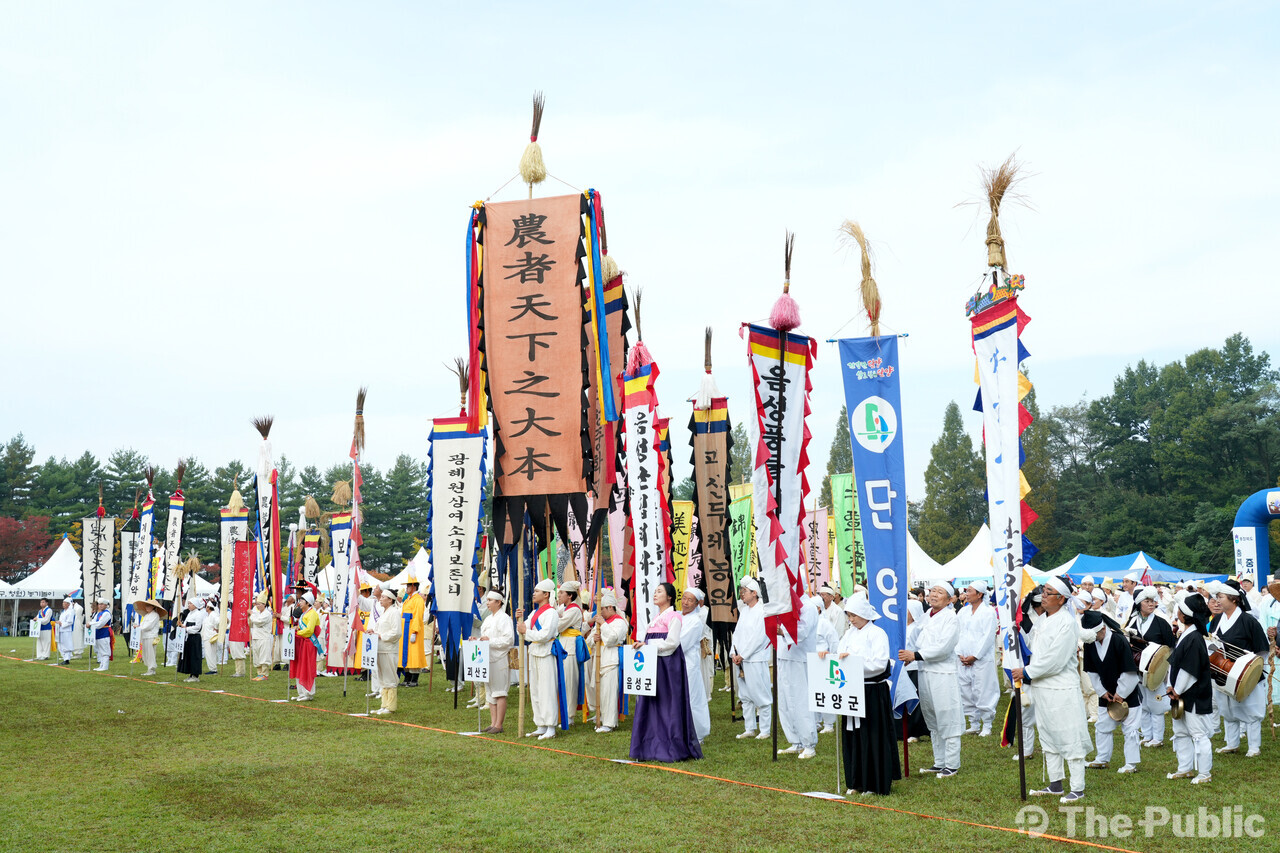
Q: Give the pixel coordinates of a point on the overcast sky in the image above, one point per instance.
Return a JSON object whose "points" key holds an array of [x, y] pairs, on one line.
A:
{"points": [[215, 211]]}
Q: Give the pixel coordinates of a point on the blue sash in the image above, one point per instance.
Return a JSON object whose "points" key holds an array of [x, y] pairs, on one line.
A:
{"points": [[558, 652]]}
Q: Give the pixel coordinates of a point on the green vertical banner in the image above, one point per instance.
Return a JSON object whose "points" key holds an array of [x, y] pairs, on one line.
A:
{"points": [[740, 537], [849, 551]]}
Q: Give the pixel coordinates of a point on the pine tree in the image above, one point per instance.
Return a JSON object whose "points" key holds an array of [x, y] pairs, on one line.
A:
{"points": [[17, 476], [740, 461], [953, 508], [403, 512], [840, 459], [122, 478]]}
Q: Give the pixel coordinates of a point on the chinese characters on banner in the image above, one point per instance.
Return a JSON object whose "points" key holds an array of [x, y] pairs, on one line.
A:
{"points": [[710, 428], [235, 528], [1001, 389], [533, 309], [643, 468], [455, 482], [780, 441], [98, 561], [869, 367], [166, 584], [681, 515], [742, 534], [243, 569]]}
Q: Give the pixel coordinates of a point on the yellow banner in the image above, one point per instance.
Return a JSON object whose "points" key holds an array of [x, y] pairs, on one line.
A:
{"points": [[681, 519]]}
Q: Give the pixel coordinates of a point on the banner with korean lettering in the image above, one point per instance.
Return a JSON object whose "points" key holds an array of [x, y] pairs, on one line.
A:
{"points": [[711, 441], [1002, 386], [869, 367], [97, 560], [234, 528], [850, 552], [533, 350], [780, 372], [644, 474], [133, 576], [166, 584], [818, 564], [146, 545], [455, 482], [340, 549], [311, 556]]}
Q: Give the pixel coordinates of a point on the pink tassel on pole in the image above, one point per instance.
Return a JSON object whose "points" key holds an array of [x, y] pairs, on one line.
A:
{"points": [[785, 315], [637, 357]]}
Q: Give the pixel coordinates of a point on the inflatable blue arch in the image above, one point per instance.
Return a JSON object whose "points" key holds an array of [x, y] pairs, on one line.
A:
{"points": [[1249, 535]]}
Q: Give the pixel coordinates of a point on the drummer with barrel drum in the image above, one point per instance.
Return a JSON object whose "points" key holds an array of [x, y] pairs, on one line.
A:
{"points": [[1237, 656], [1151, 637]]}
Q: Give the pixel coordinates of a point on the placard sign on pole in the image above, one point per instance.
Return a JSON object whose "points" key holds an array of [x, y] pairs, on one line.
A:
{"points": [[286, 643], [835, 686], [135, 639], [369, 651], [475, 660], [640, 670]]}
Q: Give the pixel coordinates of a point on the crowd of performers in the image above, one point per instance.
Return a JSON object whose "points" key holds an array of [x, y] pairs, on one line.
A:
{"points": [[1082, 653]]}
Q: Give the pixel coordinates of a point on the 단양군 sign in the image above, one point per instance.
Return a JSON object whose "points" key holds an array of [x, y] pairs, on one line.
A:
{"points": [[475, 660], [836, 686], [640, 670]]}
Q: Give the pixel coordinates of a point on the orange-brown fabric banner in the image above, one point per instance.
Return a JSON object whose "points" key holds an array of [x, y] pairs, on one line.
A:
{"points": [[533, 344]]}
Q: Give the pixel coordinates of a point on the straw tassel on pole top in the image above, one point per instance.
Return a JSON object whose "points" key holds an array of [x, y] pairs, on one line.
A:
{"points": [[785, 315], [532, 169], [102, 513], [236, 502], [461, 371], [707, 390], [358, 430], [997, 183], [869, 289], [638, 356], [180, 472]]}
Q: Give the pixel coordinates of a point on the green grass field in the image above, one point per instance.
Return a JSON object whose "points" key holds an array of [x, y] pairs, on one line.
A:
{"points": [[101, 763]]}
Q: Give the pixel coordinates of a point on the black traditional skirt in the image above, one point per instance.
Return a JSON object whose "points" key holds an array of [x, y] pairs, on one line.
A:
{"points": [[870, 751]]}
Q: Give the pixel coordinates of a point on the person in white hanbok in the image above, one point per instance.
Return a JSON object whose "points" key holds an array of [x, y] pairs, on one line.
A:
{"points": [[571, 624], [935, 650], [389, 630], [693, 620], [976, 654], [870, 752], [499, 632], [261, 640], [101, 625], [1238, 631], [149, 632], [66, 631], [44, 633], [209, 634], [751, 653], [539, 630], [610, 633], [1054, 683], [797, 720]]}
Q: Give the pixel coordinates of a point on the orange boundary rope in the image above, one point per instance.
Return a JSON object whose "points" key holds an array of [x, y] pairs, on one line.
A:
{"points": [[662, 767]]}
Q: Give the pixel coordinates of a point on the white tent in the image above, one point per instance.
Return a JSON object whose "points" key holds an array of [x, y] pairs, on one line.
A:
{"points": [[59, 576], [920, 566], [974, 562], [204, 588], [419, 566]]}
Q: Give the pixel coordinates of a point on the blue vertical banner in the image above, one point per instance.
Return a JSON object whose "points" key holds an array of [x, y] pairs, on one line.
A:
{"points": [[869, 367]]}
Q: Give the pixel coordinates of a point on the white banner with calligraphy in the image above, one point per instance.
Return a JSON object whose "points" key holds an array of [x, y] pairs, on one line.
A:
{"points": [[166, 584], [133, 576], [97, 562], [779, 439], [234, 528], [456, 469], [640, 439]]}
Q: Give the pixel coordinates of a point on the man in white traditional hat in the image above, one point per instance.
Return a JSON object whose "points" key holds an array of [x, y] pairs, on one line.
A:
{"points": [[693, 621], [976, 653], [1124, 601], [610, 633], [797, 720], [44, 637], [831, 610], [1087, 584], [101, 625], [540, 631], [209, 633], [1053, 678], [750, 653], [935, 651], [570, 627], [66, 631]]}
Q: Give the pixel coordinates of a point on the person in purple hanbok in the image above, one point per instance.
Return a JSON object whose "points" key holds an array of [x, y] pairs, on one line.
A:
{"points": [[662, 729]]}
